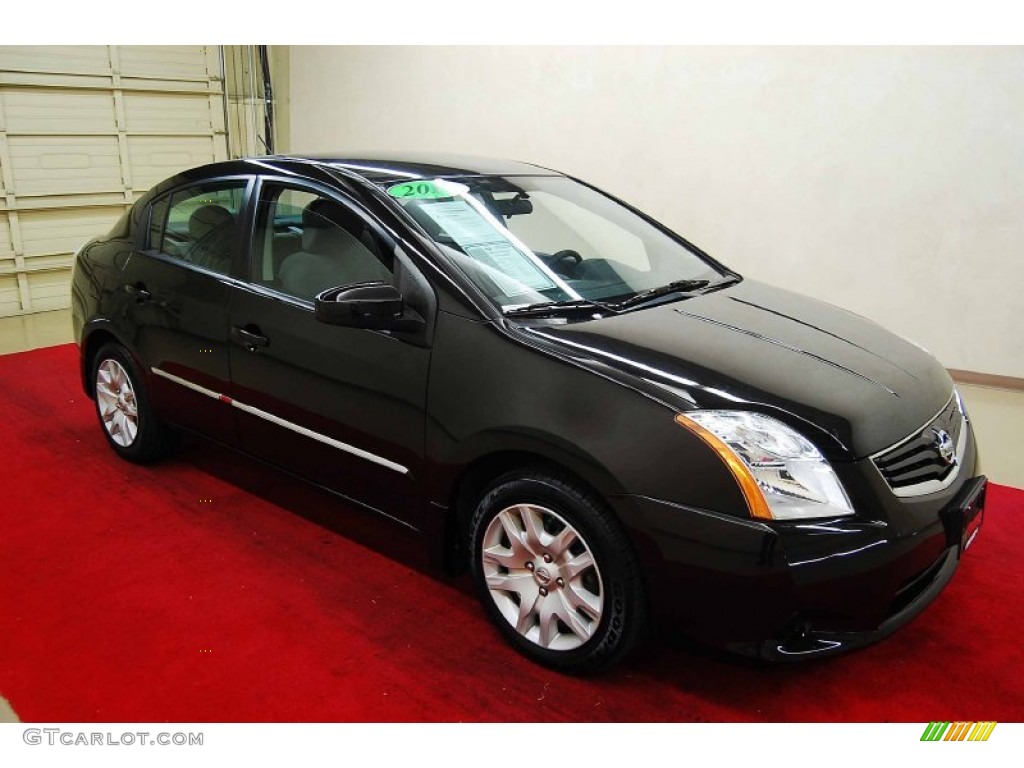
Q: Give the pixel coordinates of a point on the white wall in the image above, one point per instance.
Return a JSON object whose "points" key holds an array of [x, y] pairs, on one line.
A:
{"points": [[886, 180]]}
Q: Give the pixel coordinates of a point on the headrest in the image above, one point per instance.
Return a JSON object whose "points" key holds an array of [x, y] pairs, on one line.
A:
{"points": [[321, 211], [322, 219], [205, 220]]}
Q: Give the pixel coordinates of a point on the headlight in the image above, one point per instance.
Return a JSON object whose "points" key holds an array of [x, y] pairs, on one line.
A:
{"points": [[792, 478]]}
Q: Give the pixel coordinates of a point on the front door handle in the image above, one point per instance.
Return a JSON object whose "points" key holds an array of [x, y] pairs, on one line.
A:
{"points": [[249, 337]]}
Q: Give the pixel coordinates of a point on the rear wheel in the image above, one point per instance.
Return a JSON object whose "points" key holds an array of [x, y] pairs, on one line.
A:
{"points": [[556, 573], [122, 405]]}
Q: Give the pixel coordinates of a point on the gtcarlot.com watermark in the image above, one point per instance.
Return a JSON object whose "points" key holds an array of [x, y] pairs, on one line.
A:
{"points": [[58, 736]]}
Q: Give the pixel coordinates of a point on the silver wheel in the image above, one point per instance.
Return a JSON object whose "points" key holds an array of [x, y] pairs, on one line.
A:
{"points": [[118, 409], [542, 577]]}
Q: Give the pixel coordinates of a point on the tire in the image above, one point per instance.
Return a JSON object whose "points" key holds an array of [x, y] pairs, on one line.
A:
{"points": [[530, 538], [125, 413]]}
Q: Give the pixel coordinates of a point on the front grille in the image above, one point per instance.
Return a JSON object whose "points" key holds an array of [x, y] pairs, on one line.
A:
{"points": [[918, 460]]}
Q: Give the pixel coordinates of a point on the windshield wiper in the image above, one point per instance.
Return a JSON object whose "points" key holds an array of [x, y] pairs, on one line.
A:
{"points": [[676, 286], [724, 282], [546, 308]]}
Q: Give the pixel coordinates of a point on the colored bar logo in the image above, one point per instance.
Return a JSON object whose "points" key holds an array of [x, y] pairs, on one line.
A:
{"points": [[960, 731]]}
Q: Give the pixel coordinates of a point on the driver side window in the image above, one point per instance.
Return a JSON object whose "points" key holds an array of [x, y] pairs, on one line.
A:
{"points": [[307, 243]]}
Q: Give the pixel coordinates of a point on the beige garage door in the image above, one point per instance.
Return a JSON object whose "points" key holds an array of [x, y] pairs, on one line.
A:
{"points": [[84, 132]]}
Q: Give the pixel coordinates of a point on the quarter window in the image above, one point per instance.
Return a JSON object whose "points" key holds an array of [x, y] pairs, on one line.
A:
{"points": [[198, 225]]}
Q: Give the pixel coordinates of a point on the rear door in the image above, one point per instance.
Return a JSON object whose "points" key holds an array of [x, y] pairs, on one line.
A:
{"points": [[179, 286], [343, 407]]}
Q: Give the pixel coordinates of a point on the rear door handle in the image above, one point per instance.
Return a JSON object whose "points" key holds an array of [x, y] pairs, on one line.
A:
{"points": [[249, 337], [138, 290]]}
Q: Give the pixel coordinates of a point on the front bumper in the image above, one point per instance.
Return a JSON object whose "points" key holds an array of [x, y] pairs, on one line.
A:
{"points": [[797, 590], [961, 520]]}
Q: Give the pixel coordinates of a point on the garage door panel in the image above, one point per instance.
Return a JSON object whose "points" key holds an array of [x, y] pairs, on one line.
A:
{"points": [[49, 290], [46, 110], [69, 202], [52, 58], [64, 231], [6, 246], [182, 61], [140, 85], [50, 80], [154, 158], [50, 263], [64, 165], [10, 298], [167, 113], [84, 132]]}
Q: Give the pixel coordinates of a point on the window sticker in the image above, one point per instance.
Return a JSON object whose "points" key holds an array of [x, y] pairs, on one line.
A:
{"points": [[487, 244], [424, 189]]}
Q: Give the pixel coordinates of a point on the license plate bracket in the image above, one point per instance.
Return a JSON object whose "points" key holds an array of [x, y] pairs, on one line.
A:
{"points": [[965, 516]]}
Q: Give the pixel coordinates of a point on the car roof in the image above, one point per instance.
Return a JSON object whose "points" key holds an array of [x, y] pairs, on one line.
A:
{"points": [[375, 167], [394, 166], [382, 167]]}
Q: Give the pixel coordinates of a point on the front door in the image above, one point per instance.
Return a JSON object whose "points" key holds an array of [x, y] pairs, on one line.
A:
{"points": [[342, 407]]}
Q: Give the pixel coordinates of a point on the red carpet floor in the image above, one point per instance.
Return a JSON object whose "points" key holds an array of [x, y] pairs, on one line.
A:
{"points": [[210, 588]]}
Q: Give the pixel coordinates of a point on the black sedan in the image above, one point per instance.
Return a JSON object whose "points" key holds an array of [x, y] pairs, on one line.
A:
{"points": [[610, 428]]}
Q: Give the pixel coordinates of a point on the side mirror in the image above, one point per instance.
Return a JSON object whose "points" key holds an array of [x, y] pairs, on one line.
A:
{"points": [[376, 305]]}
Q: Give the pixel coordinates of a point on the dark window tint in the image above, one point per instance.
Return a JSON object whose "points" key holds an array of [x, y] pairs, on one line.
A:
{"points": [[198, 224], [307, 243]]}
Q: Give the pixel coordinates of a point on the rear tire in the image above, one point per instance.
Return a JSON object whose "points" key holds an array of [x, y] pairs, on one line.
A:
{"points": [[125, 413], [556, 573]]}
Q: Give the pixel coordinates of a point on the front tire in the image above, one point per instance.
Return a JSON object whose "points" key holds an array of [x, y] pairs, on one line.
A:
{"points": [[125, 413], [556, 573]]}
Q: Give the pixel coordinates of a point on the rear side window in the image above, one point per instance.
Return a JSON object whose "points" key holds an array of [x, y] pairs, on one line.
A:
{"points": [[199, 225]]}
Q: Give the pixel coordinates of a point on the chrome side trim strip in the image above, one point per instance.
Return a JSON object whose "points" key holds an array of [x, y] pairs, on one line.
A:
{"points": [[297, 428], [189, 384], [321, 438]]}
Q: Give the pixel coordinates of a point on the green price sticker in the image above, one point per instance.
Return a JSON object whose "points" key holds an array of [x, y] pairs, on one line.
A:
{"points": [[426, 190]]}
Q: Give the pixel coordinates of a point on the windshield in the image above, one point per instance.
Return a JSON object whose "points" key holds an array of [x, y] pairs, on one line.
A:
{"points": [[539, 239]]}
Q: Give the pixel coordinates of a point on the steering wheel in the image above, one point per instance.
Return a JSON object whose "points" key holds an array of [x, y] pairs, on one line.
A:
{"points": [[563, 255]]}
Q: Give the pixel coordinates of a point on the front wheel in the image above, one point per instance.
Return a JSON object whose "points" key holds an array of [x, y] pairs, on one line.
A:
{"points": [[556, 572]]}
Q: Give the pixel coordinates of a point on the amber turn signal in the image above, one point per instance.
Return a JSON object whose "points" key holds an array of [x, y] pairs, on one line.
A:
{"points": [[756, 503]]}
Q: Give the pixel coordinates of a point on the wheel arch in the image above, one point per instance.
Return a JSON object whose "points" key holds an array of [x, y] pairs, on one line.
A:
{"points": [[95, 334], [480, 473]]}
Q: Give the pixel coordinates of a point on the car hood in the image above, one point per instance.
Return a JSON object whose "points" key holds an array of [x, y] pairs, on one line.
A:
{"points": [[756, 347]]}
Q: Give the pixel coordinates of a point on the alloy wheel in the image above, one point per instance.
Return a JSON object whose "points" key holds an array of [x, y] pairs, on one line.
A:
{"points": [[542, 576], [118, 408]]}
